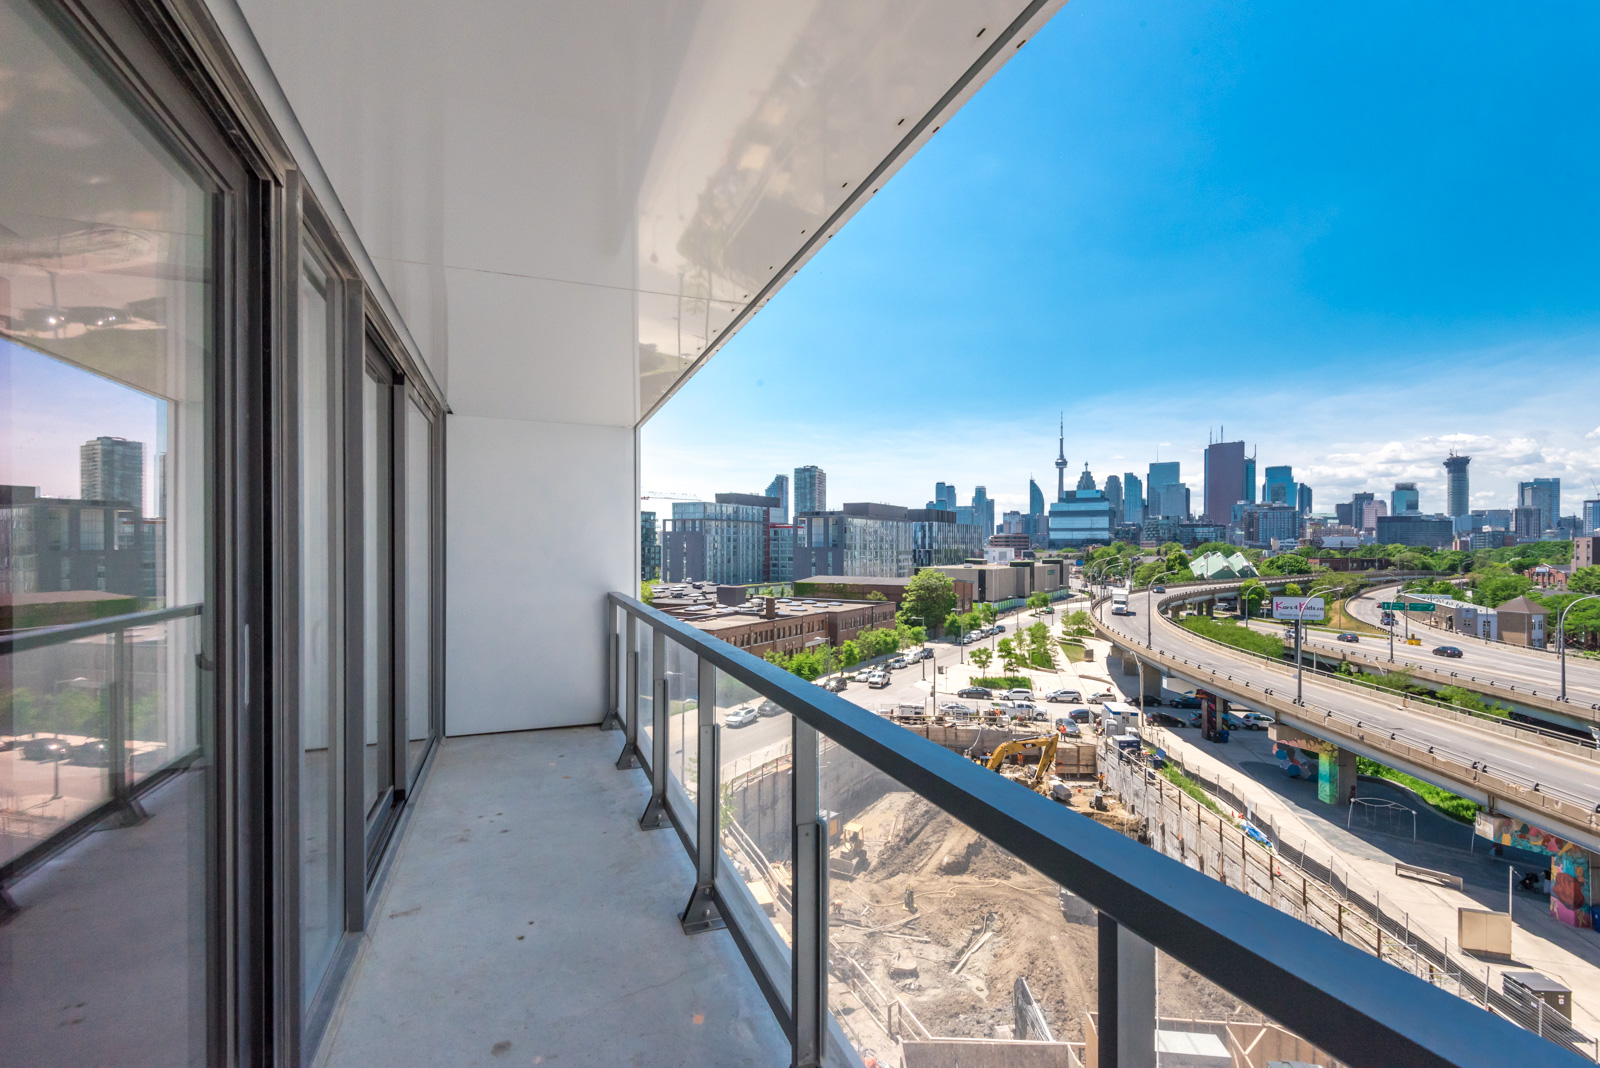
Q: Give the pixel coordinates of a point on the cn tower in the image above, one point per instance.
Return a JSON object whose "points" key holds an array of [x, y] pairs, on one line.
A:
{"points": [[1061, 461]]}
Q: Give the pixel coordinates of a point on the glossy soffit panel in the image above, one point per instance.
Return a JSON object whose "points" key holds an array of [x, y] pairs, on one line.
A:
{"points": [[690, 156]]}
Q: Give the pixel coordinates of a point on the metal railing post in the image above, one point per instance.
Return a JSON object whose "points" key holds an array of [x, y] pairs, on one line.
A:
{"points": [[611, 721], [655, 813], [128, 810], [702, 913], [629, 757], [809, 894]]}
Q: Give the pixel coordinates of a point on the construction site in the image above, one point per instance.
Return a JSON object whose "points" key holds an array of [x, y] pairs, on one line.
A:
{"points": [[945, 950]]}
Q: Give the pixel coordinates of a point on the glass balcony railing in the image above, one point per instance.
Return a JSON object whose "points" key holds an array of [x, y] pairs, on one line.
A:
{"points": [[897, 903]]}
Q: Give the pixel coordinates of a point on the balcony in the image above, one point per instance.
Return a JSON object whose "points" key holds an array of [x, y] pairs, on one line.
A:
{"points": [[859, 894]]}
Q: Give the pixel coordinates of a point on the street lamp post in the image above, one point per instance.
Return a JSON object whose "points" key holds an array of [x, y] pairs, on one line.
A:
{"points": [[1561, 637], [1150, 610], [1299, 635]]}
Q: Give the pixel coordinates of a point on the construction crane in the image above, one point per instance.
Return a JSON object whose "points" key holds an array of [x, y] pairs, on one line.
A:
{"points": [[1047, 756]]}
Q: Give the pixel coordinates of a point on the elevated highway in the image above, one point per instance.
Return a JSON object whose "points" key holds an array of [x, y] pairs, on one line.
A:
{"points": [[1550, 783], [1521, 676]]}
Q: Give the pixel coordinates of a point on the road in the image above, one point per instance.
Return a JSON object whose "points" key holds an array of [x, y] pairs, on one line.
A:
{"points": [[1568, 778], [1527, 669]]}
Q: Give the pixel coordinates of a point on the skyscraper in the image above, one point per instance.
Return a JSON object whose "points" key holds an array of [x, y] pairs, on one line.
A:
{"points": [[1226, 476], [1061, 462], [1458, 499], [982, 510], [1591, 516], [1159, 476], [1405, 500], [944, 497], [1543, 494], [1035, 498], [1132, 498], [1114, 495], [810, 489], [779, 488], [1086, 480], [1250, 479], [1305, 499], [1279, 487], [112, 469]]}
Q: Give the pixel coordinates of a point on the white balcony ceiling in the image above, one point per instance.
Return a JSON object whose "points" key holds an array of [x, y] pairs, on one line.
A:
{"points": [[570, 202]]}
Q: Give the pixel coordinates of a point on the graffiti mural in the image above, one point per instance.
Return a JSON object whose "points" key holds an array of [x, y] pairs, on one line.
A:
{"points": [[1570, 899]]}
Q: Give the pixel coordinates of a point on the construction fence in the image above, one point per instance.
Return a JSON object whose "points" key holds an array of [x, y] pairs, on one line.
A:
{"points": [[1319, 892]]}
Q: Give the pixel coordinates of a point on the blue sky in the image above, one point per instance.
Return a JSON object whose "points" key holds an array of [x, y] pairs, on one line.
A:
{"points": [[1356, 235]]}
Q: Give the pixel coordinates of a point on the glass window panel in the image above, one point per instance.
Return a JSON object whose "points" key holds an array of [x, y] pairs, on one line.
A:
{"points": [[419, 584], [106, 351], [321, 730], [754, 818], [378, 583]]}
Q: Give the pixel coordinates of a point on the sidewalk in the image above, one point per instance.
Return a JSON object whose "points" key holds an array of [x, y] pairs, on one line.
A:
{"points": [[1539, 942]]}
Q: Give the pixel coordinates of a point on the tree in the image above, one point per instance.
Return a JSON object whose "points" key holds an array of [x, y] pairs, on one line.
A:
{"points": [[850, 653], [1251, 593], [1293, 590], [1009, 656], [987, 613], [1038, 600], [1585, 580], [930, 597], [647, 592], [874, 595], [981, 657]]}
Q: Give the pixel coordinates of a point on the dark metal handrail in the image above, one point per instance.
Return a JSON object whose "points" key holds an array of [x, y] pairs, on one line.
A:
{"points": [[1359, 1009], [20, 641]]}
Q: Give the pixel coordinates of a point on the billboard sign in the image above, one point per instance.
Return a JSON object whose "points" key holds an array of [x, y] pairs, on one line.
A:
{"points": [[1297, 608]]}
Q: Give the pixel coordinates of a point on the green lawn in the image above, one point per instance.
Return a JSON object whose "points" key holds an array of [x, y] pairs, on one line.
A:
{"points": [[1453, 805], [1235, 635]]}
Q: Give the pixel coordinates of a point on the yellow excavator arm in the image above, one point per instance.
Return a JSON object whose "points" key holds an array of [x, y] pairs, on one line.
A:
{"points": [[1047, 758]]}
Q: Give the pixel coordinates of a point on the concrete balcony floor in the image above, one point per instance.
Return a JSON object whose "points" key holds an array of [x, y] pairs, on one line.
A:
{"points": [[527, 920]]}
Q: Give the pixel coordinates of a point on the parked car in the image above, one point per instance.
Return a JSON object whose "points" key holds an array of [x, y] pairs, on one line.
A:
{"points": [[1020, 706], [1069, 696], [923, 653], [1258, 721], [1020, 694], [741, 717], [1081, 715], [1178, 718], [899, 662], [999, 628], [1187, 700], [44, 749], [1447, 650], [978, 692], [1103, 696], [864, 675], [836, 684], [878, 680], [957, 709], [94, 753], [768, 708], [1348, 637], [1067, 728]]}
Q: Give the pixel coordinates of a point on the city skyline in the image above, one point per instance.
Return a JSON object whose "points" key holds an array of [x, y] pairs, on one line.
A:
{"points": [[1161, 219]]}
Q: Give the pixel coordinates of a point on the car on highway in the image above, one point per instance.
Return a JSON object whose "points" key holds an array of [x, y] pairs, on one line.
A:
{"points": [[836, 684], [979, 692], [1160, 589], [741, 717], [878, 680], [1067, 696], [1387, 619], [1020, 694], [1447, 650], [1347, 636], [899, 662]]}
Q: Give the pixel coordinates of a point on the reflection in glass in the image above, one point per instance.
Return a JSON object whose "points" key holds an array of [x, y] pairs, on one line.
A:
{"points": [[106, 347], [378, 520], [419, 578], [321, 793]]}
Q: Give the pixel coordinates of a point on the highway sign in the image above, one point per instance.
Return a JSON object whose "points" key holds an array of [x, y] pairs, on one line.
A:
{"points": [[1392, 606], [1297, 608], [1404, 606], [1421, 606]]}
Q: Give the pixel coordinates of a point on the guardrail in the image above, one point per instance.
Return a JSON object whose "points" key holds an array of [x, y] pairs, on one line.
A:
{"points": [[1357, 1008], [1337, 725], [110, 693]]}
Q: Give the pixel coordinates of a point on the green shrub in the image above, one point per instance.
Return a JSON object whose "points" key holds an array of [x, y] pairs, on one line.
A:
{"points": [[1453, 805], [1003, 682], [1236, 636]]}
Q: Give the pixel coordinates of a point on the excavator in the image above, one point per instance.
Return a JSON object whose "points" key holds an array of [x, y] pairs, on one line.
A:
{"points": [[1047, 757]]}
